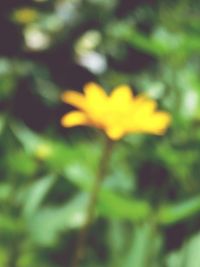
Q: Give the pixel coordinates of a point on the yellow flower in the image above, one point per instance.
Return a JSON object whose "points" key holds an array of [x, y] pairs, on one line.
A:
{"points": [[117, 114], [25, 15]]}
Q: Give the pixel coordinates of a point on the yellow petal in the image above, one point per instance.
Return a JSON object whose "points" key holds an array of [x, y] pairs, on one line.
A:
{"points": [[121, 94], [157, 123], [144, 105], [145, 108], [94, 92], [73, 98], [74, 118], [118, 114], [115, 132]]}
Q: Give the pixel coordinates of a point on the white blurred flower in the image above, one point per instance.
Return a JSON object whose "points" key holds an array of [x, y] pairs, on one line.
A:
{"points": [[93, 61], [35, 39]]}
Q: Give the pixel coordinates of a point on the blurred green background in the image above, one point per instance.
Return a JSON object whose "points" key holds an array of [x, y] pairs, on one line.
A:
{"points": [[149, 206]]}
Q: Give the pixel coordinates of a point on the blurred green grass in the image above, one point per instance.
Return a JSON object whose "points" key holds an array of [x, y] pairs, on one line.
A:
{"points": [[148, 209]]}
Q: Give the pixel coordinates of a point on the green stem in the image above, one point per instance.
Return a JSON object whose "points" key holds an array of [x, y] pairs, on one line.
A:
{"points": [[90, 213]]}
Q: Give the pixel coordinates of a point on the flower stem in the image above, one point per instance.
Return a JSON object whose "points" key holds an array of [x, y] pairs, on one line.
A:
{"points": [[90, 213]]}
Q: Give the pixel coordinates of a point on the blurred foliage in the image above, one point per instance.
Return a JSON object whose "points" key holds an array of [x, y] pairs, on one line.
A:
{"points": [[148, 208]]}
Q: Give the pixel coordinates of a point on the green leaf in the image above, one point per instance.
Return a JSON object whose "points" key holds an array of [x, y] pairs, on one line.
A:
{"points": [[5, 191], [2, 123], [160, 43], [48, 223], [187, 256], [145, 244], [171, 214], [115, 206], [110, 204], [26, 137], [36, 193], [20, 162]]}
